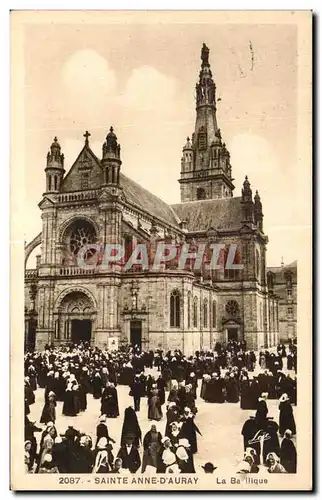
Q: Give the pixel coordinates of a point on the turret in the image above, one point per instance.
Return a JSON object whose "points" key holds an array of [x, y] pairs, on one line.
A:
{"points": [[55, 168], [247, 202], [258, 211], [111, 161], [187, 157]]}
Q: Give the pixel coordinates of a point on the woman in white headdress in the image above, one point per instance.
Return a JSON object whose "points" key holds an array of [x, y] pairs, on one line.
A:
{"points": [[28, 445], [185, 457], [175, 433], [101, 465], [46, 444], [48, 466], [169, 460], [273, 464]]}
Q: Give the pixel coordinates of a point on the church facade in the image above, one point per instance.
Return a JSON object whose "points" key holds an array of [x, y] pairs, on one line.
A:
{"points": [[168, 308]]}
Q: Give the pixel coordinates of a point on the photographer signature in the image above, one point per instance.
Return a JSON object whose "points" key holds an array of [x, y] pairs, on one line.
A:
{"points": [[259, 437]]}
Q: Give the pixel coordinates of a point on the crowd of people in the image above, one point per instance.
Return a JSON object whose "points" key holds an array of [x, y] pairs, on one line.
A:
{"points": [[170, 384]]}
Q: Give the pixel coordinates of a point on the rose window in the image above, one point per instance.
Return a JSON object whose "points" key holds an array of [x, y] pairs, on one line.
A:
{"points": [[232, 308], [82, 234]]}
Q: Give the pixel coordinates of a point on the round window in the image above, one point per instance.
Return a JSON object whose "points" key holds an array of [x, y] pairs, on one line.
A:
{"points": [[81, 233], [232, 308]]}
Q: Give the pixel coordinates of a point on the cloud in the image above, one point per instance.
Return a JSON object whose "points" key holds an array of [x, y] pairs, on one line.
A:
{"points": [[87, 71], [147, 89]]}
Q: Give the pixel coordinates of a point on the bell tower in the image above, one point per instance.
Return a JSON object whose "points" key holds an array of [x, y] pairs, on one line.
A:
{"points": [[205, 164]]}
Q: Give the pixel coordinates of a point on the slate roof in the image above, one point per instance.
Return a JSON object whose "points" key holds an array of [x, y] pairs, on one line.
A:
{"points": [[141, 197], [224, 213], [279, 273]]}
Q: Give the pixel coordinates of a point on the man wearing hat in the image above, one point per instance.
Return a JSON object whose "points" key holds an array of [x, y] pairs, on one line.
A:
{"points": [[136, 392], [130, 455], [209, 468]]}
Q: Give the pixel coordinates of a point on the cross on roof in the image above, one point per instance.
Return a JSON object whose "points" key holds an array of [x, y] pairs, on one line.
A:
{"points": [[86, 135]]}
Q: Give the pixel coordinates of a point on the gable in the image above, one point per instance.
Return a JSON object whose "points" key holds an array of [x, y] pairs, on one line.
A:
{"points": [[85, 173]]}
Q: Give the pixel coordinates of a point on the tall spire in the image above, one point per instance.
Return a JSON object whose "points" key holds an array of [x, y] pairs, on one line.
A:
{"points": [[205, 88], [205, 164]]}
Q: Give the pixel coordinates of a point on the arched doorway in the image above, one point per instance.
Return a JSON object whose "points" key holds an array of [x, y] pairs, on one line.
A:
{"points": [[75, 319]]}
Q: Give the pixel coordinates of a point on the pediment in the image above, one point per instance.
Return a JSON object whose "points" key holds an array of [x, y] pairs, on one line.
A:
{"points": [[46, 202], [85, 161], [246, 228]]}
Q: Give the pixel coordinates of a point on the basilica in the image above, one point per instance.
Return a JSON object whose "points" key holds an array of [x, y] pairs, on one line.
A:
{"points": [[166, 308]]}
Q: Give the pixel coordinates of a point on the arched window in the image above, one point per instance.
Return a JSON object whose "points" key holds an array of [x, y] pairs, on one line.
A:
{"points": [[128, 247], [49, 183], [175, 309], [214, 314], [195, 312], [205, 313], [55, 181], [201, 194], [257, 263], [189, 309]]}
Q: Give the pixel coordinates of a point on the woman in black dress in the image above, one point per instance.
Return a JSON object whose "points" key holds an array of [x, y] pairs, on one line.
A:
{"points": [[131, 427], [286, 418], [109, 401]]}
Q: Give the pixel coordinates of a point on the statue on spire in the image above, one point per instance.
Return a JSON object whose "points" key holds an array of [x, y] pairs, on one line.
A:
{"points": [[205, 55]]}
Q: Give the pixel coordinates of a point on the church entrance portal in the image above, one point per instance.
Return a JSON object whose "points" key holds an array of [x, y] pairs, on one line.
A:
{"points": [[81, 330], [136, 333], [232, 334], [74, 321]]}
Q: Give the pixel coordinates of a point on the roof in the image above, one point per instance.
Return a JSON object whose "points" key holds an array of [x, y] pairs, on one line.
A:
{"points": [[141, 197], [223, 213], [277, 269], [280, 272]]}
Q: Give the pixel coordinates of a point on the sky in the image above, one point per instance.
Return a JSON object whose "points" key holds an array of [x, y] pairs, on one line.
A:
{"points": [[140, 78]]}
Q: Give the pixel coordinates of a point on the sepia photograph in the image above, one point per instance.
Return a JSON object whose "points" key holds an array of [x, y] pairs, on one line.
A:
{"points": [[161, 181]]}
